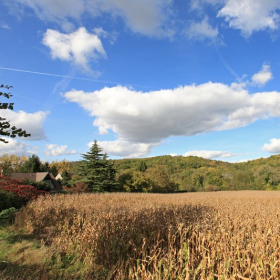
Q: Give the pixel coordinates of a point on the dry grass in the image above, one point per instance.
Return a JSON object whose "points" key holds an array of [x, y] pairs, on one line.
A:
{"points": [[224, 235]]}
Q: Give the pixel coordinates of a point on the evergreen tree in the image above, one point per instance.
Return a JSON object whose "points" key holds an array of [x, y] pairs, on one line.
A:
{"points": [[97, 171], [53, 170], [45, 167], [32, 165], [66, 179]]}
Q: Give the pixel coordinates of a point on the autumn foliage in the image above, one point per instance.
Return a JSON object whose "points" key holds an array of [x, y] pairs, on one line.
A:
{"points": [[25, 192]]}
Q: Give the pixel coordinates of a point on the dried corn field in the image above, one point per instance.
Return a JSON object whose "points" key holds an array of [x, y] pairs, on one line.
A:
{"points": [[223, 235]]}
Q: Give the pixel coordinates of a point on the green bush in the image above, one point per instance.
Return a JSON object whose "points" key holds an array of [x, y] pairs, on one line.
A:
{"points": [[8, 214], [41, 186], [9, 199]]}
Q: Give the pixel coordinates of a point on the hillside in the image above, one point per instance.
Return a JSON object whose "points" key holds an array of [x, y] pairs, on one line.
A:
{"points": [[199, 174]]}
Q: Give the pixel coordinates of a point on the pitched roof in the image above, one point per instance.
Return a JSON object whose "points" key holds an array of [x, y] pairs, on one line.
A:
{"points": [[40, 176], [37, 177]]}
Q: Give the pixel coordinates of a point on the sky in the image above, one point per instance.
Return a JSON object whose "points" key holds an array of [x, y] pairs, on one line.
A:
{"points": [[143, 78]]}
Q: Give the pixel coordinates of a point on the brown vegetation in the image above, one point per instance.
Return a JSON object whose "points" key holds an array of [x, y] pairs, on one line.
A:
{"points": [[223, 235]]}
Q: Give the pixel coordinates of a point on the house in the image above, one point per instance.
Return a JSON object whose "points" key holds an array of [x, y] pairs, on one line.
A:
{"points": [[38, 177], [58, 177]]}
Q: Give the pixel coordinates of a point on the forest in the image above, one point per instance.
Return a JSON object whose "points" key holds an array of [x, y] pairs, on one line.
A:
{"points": [[198, 174], [162, 174]]}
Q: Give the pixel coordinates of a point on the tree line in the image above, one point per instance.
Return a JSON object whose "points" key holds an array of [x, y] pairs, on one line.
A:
{"points": [[94, 173], [163, 174], [198, 174]]}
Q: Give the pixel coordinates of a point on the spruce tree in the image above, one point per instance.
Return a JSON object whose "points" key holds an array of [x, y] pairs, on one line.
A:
{"points": [[32, 165], [96, 170]]}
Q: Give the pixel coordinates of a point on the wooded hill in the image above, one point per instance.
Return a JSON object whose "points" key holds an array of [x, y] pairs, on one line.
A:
{"points": [[197, 174], [160, 174]]}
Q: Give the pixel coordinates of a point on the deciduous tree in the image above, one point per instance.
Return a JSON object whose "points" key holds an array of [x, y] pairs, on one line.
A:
{"points": [[11, 163], [135, 181], [161, 182], [5, 127]]}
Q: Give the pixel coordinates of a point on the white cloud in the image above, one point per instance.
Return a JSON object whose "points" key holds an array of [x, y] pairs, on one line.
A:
{"points": [[56, 150], [273, 146], [153, 116], [257, 106], [79, 47], [173, 155], [31, 122], [127, 149], [244, 160], [147, 17], [14, 147], [251, 15], [263, 76], [202, 30], [209, 154]]}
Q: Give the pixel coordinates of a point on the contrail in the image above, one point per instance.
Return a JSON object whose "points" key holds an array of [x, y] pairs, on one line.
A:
{"points": [[68, 77], [55, 75], [227, 66]]}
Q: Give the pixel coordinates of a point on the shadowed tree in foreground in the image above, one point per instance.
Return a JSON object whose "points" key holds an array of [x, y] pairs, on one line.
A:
{"points": [[5, 126]]}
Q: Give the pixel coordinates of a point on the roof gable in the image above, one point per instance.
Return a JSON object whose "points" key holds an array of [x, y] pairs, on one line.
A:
{"points": [[40, 176], [36, 177]]}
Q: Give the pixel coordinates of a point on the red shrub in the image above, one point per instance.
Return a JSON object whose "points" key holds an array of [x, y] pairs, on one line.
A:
{"points": [[25, 192]]}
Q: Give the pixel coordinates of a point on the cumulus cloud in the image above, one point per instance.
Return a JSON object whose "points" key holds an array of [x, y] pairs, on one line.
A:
{"points": [[273, 147], [148, 17], [31, 122], [150, 117], [260, 105], [15, 147], [201, 31], [209, 154], [127, 149], [79, 47], [251, 15], [56, 150], [263, 76]]}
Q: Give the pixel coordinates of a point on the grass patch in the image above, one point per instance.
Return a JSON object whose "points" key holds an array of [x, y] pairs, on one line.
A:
{"points": [[21, 254]]}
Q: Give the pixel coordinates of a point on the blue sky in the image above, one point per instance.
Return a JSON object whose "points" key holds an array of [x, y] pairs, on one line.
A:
{"points": [[143, 78]]}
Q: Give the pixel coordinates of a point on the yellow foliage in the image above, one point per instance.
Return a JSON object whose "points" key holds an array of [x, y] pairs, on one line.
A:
{"points": [[61, 165], [11, 163]]}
